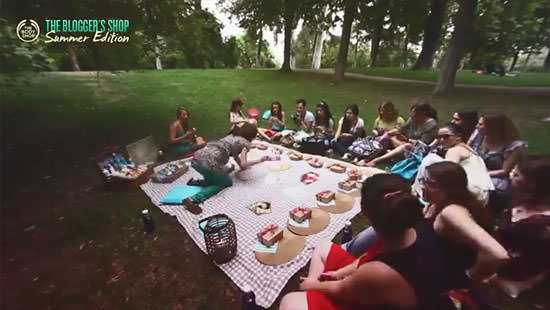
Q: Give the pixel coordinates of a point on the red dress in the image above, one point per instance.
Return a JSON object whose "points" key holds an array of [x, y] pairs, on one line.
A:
{"points": [[338, 258]]}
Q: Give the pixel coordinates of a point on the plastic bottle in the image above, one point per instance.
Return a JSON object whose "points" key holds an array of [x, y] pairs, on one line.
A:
{"points": [[249, 299], [147, 221], [347, 234]]}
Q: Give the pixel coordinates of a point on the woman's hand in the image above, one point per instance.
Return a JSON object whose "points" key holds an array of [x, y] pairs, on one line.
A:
{"points": [[393, 132], [329, 276], [309, 284]]}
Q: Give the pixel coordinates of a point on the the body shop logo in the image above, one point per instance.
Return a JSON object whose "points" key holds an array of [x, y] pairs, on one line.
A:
{"points": [[28, 30]]}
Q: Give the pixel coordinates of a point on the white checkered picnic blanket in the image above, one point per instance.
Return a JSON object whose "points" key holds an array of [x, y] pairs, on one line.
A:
{"points": [[285, 191]]}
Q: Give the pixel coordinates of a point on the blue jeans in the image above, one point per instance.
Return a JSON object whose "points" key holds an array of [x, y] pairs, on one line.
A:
{"points": [[361, 243]]}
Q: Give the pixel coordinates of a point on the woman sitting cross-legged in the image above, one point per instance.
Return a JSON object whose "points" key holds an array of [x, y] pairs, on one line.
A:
{"points": [[276, 122], [417, 133], [212, 162], [388, 119], [406, 272], [324, 123], [236, 115], [350, 127], [183, 138]]}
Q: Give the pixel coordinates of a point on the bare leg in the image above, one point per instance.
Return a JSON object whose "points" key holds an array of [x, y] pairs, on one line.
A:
{"points": [[393, 153], [318, 259], [294, 301]]}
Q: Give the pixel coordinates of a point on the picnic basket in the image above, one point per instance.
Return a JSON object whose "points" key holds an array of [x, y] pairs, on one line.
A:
{"points": [[220, 237]]}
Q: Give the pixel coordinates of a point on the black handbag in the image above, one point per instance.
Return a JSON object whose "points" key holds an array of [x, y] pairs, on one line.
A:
{"points": [[315, 145]]}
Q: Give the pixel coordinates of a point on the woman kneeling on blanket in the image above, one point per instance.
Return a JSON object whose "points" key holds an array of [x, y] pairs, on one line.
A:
{"points": [[406, 272], [212, 162]]}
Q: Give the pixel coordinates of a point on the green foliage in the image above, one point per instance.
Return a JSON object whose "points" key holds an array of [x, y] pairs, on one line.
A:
{"points": [[248, 49], [504, 29], [16, 55]]}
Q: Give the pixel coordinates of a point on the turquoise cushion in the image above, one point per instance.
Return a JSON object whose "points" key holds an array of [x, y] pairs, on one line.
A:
{"points": [[179, 193]]}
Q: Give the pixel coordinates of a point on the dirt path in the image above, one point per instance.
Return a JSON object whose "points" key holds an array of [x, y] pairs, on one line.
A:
{"points": [[496, 88]]}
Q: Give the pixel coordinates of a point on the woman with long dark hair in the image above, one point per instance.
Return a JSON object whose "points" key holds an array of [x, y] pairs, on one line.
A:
{"points": [[350, 127], [236, 114], [502, 147], [277, 116], [324, 123], [462, 220], [467, 119], [524, 229]]}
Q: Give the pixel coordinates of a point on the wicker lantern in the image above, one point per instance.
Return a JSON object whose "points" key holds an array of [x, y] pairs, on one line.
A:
{"points": [[220, 237]]}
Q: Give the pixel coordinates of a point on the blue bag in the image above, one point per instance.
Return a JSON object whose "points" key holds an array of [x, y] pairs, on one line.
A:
{"points": [[408, 167]]}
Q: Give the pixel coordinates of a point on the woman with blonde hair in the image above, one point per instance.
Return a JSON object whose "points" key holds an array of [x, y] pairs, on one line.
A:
{"points": [[388, 119], [183, 138]]}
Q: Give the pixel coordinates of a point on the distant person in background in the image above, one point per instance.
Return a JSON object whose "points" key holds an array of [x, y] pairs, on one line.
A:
{"points": [[182, 138], [324, 123], [524, 230], [502, 147], [350, 127], [388, 119]]}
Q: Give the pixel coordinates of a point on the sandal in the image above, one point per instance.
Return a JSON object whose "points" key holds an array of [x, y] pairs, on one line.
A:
{"points": [[191, 206]]}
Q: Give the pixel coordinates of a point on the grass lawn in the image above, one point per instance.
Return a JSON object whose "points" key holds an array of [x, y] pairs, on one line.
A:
{"points": [[462, 76], [68, 243]]}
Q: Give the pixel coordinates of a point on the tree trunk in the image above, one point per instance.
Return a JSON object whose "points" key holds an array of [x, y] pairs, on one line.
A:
{"points": [[432, 34], [547, 61], [75, 66], [514, 60], [318, 50], [288, 19], [526, 60], [152, 34], [349, 16], [464, 22], [374, 48], [156, 50], [355, 60], [405, 50], [259, 52]]}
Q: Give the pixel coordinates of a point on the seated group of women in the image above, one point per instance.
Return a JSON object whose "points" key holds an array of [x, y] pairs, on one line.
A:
{"points": [[416, 249], [415, 256]]}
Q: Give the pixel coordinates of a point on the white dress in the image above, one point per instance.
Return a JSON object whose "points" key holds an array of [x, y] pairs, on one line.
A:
{"points": [[479, 181]]}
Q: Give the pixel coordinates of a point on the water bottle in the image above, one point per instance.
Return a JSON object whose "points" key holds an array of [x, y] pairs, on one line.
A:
{"points": [[147, 221], [347, 234], [249, 299]]}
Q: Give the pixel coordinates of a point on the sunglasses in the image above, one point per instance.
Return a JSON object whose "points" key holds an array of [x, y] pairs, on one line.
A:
{"points": [[428, 182], [445, 136]]}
